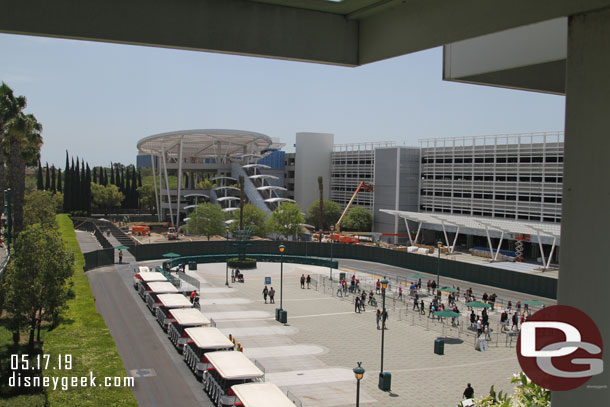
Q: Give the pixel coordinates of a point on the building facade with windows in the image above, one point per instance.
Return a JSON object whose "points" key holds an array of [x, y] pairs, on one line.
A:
{"points": [[350, 165], [517, 176]]}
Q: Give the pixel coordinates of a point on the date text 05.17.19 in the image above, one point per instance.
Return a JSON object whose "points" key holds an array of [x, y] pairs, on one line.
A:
{"points": [[41, 362]]}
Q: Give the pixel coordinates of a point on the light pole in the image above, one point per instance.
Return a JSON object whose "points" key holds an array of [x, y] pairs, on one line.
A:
{"points": [[332, 229], [438, 267], [282, 248], [227, 258], [359, 373], [385, 378]]}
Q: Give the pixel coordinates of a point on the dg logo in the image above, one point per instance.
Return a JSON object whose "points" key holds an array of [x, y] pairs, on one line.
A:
{"points": [[560, 348]]}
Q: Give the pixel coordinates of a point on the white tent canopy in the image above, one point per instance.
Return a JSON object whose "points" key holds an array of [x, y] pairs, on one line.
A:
{"points": [[504, 227]]}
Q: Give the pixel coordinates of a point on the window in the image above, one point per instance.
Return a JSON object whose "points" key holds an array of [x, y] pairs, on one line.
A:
{"points": [[501, 159], [489, 159], [477, 196], [466, 195], [478, 160], [536, 179], [524, 198], [488, 196], [537, 159], [467, 160], [526, 159], [459, 160], [488, 178], [524, 179], [500, 197], [511, 179], [511, 197], [457, 194], [535, 199], [512, 159]]}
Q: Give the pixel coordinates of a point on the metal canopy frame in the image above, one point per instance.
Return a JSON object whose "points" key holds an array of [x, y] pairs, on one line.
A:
{"points": [[505, 227]]}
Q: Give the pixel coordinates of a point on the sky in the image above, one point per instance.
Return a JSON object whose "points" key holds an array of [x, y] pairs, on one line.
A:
{"points": [[98, 99]]}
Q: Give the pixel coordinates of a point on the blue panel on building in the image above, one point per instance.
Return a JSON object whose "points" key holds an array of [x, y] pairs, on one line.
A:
{"points": [[275, 160], [144, 161]]}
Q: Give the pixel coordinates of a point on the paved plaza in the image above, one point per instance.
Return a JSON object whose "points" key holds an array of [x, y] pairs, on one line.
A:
{"points": [[313, 355]]}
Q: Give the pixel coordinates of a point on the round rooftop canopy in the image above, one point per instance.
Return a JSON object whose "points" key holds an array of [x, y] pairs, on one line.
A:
{"points": [[206, 143]]}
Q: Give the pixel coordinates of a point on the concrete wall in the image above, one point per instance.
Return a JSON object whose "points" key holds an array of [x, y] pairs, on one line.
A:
{"points": [[390, 194], [313, 151]]}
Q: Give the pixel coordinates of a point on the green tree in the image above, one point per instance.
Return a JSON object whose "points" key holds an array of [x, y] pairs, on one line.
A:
{"points": [[106, 197], [10, 107], [39, 183], [332, 212], [39, 207], [22, 142], [146, 196], [358, 219], [37, 283], [253, 216], [286, 219], [207, 219]]}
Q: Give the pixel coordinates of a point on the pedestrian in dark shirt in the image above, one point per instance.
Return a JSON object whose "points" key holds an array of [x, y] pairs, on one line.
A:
{"points": [[271, 295], [303, 281], [265, 293], [357, 304], [468, 392], [120, 256], [308, 280]]}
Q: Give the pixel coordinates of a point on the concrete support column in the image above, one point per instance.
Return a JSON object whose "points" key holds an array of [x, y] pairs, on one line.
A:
{"points": [[584, 277]]}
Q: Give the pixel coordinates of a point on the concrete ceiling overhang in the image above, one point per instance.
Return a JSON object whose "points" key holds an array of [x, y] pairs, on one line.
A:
{"points": [[349, 32], [531, 57]]}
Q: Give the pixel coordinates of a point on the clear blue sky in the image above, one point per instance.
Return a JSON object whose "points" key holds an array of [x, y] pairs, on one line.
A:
{"points": [[98, 100]]}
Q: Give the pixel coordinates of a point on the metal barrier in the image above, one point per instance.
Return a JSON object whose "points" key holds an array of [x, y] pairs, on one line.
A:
{"points": [[295, 400]]}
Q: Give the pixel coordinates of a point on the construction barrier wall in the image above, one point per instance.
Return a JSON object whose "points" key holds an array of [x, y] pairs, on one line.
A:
{"points": [[507, 279], [99, 258]]}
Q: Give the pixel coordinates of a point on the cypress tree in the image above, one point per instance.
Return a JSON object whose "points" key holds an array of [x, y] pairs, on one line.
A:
{"points": [[104, 176], [53, 186], [39, 185], [88, 191], [74, 185], [67, 196], [139, 178], [112, 174], [83, 187], [47, 185], [134, 189], [59, 180], [94, 174]]}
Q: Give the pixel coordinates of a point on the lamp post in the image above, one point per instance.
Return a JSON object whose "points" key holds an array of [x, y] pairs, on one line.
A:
{"points": [[282, 248], [332, 229], [438, 267], [384, 377], [359, 373], [227, 258]]}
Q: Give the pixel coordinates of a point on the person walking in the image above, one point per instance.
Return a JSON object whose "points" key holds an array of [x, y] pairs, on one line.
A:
{"points": [[468, 392], [384, 318], [363, 300], [429, 285], [265, 293], [357, 304], [509, 307], [193, 295], [271, 295], [339, 289], [378, 317], [232, 275], [422, 310], [415, 303], [378, 287], [399, 293], [371, 297], [303, 281], [515, 322], [120, 256], [419, 284], [308, 281]]}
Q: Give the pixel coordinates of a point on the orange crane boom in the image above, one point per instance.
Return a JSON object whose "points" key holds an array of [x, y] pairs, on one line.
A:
{"points": [[363, 186]]}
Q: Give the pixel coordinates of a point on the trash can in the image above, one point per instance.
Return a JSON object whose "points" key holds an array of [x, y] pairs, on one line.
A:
{"points": [[277, 314], [192, 265], [385, 381], [283, 316], [439, 346]]}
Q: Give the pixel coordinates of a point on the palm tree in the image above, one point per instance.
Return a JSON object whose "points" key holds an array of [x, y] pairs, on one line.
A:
{"points": [[22, 142], [10, 107]]}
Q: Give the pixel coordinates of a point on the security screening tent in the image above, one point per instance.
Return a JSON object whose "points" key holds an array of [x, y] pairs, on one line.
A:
{"points": [[144, 278], [167, 302], [261, 395], [156, 288], [228, 368], [184, 318], [200, 342]]}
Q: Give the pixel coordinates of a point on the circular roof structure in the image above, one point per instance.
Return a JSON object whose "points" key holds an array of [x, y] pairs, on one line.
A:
{"points": [[205, 143]]}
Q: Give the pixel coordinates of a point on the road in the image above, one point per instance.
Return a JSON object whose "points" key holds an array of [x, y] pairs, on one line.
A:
{"points": [[162, 378]]}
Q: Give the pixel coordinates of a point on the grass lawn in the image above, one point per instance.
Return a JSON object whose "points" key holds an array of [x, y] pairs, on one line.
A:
{"points": [[84, 335]]}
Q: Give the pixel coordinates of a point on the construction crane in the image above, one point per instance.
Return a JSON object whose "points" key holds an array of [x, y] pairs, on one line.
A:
{"points": [[362, 187]]}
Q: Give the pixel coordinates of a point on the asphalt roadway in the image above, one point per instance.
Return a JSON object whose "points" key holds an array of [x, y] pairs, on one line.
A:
{"points": [[161, 377]]}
